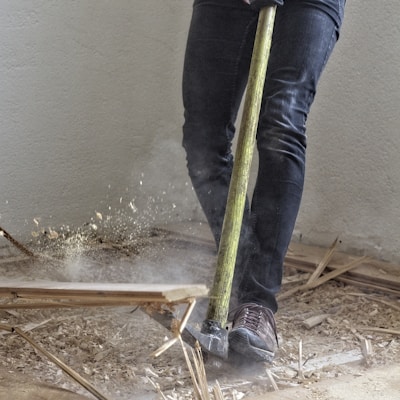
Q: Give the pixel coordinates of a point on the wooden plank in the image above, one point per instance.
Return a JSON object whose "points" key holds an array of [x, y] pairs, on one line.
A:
{"points": [[371, 273], [322, 279], [26, 303], [161, 293], [323, 263], [360, 282]]}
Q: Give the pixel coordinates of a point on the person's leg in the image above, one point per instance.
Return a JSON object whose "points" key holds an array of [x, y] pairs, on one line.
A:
{"points": [[303, 39], [215, 74]]}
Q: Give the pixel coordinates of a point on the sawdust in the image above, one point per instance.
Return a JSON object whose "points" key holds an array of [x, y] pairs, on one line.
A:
{"points": [[110, 347]]}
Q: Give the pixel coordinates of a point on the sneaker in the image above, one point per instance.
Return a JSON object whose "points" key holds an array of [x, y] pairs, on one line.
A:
{"points": [[253, 333]]}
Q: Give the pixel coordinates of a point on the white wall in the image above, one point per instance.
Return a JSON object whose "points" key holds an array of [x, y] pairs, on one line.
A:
{"points": [[353, 172], [90, 110], [91, 117]]}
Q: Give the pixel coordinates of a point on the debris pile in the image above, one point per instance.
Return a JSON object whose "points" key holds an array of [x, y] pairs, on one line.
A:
{"points": [[325, 330]]}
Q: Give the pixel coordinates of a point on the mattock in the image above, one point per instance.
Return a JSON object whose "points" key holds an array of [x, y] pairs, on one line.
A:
{"points": [[213, 337]]}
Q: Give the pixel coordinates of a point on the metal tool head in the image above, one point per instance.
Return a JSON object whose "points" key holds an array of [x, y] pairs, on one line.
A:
{"points": [[212, 338]]}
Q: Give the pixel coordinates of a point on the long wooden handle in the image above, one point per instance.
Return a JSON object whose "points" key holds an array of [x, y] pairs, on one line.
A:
{"points": [[221, 291]]}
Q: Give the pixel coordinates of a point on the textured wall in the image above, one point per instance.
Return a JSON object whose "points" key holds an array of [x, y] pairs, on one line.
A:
{"points": [[90, 110], [91, 119], [353, 172]]}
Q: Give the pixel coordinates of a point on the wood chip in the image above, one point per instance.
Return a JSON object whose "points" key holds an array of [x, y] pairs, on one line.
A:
{"points": [[311, 322]]}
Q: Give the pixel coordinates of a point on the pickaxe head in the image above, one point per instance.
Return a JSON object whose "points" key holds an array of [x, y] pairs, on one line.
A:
{"points": [[212, 338]]}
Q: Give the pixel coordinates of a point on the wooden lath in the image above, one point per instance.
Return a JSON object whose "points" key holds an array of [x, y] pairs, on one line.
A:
{"points": [[152, 297], [371, 274], [40, 294], [100, 293]]}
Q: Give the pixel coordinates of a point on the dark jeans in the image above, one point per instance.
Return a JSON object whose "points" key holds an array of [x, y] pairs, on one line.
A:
{"points": [[216, 69]]}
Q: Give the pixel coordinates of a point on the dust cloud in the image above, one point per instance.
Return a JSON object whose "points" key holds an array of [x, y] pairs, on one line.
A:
{"points": [[125, 245]]}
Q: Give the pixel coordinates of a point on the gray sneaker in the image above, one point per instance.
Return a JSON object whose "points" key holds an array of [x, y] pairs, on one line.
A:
{"points": [[253, 333]]}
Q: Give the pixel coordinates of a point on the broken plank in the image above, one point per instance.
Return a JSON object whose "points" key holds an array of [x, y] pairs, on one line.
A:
{"points": [[373, 274], [323, 263], [28, 304], [306, 258], [322, 279], [355, 281], [337, 272], [162, 293]]}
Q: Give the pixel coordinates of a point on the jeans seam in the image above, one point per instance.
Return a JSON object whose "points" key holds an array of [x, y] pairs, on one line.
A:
{"points": [[238, 58]]}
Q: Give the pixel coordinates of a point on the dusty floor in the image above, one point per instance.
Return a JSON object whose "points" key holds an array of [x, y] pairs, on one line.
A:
{"points": [[110, 347]]}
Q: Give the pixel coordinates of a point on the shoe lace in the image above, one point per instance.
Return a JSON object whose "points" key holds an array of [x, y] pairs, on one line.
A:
{"points": [[254, 317]]}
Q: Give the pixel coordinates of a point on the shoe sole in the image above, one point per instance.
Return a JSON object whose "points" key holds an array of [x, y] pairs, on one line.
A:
{"points": [[240, 344]]}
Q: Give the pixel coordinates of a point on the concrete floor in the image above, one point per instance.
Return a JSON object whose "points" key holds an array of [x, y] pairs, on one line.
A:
{"points": [[376, 383]]}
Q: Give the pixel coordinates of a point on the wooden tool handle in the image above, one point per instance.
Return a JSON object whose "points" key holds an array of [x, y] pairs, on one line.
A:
{"points": [[222, 286]]}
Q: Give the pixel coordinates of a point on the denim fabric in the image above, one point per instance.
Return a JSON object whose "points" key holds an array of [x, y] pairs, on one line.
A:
{"points": [[217, 60]]}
